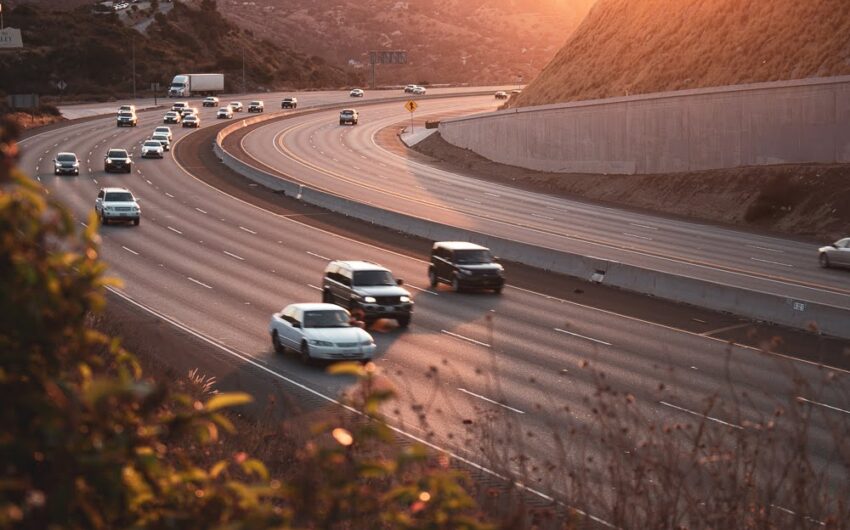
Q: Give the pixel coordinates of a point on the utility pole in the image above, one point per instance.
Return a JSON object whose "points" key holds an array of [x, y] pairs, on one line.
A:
{"points": [[243, 69], [134, 67], [1, 16]]}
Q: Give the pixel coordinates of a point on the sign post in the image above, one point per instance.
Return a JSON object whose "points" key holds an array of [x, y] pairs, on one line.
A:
{"points": [[61, 85], [411, 107], [154, 89]]}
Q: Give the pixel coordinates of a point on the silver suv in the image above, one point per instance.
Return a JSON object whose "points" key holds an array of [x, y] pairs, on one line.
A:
{"points": [[117, 204], [368, 290]]}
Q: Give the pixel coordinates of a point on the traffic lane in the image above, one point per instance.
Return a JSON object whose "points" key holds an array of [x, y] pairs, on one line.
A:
{"points": [[777, 267]]}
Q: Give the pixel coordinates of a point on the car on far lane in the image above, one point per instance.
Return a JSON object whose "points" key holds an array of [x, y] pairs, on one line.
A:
{"points": [[836, 254], [163, 140], [356, 93], [171, 117], [126, 117], [66, 163], [409, 88], [236, 106], [256, 106], [188, 110], [192, 120], [127, 108], [349, 116], [210, 101], [224, 113], [163, 130], [501, 94], [117, 204], [465, 265], [117, 159], [178, 106], [419, 91], [152, 149], [289, 103], [320, 331]]}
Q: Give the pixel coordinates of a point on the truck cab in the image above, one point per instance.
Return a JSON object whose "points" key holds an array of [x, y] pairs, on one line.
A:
{"points": [[179, 86]]}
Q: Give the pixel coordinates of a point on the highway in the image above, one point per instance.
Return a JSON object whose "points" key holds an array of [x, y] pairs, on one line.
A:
{"points": [[220, 266], [351, 162]]}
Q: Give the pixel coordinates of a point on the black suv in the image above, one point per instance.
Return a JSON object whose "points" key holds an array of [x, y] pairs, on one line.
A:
{"points": [[368, 290], [465, 265], [289, 103], [117, 160]]}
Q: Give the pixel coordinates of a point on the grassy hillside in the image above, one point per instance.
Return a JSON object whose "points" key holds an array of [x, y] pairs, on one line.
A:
{"points": [[92, 54], [641, 46], [475, 41]]}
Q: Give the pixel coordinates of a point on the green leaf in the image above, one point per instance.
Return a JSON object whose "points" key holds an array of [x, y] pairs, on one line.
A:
{"points": [[228, 399]]}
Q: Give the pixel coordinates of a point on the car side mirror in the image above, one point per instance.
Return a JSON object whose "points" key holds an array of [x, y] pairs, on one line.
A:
{"points": [[399, 281]]}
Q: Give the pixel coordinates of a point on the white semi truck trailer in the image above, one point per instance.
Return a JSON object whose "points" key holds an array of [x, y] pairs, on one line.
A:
{"points": [[187, 85]]}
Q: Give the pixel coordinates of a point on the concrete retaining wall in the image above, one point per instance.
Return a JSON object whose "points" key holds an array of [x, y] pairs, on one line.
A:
{"points": [[803, 121], [750, 304]]}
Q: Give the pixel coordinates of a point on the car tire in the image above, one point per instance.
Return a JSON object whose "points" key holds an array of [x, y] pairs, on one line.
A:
{"points": [[432, 278], [498, 290], [136, 222], [341, 122], [129, 170], [403, 322], [327, 298], [456, 284], [824, 260], [305, 353], [103, 220], [278, 347]]}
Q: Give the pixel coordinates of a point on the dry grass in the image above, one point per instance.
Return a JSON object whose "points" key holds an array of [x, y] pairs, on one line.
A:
{"points": [[627, 47]]}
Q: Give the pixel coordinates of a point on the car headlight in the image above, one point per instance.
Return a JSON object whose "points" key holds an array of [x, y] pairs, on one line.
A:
{"points": [[108, 160], [404, 299], [369, 299], [321, 343], [368, 342]]}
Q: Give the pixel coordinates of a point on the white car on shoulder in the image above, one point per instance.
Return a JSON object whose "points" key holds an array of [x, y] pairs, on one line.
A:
{"points": [[320, 331]]}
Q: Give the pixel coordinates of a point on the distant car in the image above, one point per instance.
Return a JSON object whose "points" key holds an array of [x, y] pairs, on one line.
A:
{"points": [[117, 159], [66, 164], [349, 116], [163, 130], [224, 113], [163, 140], [501, 94], [256, 106], [192, 121], [289, 103], [356, 93], [465, 265], [152, 149], [409, 88], [187, 111], [127, 118], [127, 108], [836, 254], [117, 204], [118, 6], [236, 106], [418, 91], [320, 331], [171, 117], [178, 106], [210, 101], [367, 289], [516, 92]]}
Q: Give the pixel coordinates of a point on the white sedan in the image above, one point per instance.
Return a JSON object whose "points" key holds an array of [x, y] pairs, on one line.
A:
{"points": [[152, 149], [224, 113], [357, 93], [320, 331]]}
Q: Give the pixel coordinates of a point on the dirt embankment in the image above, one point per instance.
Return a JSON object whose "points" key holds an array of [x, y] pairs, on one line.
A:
{"points": [[810, 201]]}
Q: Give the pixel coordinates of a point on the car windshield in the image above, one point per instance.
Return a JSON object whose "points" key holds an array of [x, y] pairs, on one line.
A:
{"points": [[366, 278], [160, 137], [326, 319], [119, 196], [473, 256], [287, 99], [153, 144], [117, 153], [191, 117], [126, 114], [256, 103], [66, 158], [347, 112]]}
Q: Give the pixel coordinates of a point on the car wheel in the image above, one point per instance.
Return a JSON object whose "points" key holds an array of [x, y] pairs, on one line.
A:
{"points": [[327, 298], [103, 220], [305, 353], [278, 347], [456, 284], [824, 260], [341, 122], [136, 221], [432, 278], [129, 170], [498, 290], [403, 322]]}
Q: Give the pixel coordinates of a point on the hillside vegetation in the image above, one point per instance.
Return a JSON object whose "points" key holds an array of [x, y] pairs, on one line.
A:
{"points": [[474, 41], [640, 46], [93, 53]]}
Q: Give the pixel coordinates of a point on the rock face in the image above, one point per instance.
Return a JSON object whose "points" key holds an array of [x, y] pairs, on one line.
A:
{"points": [[627, 47]]}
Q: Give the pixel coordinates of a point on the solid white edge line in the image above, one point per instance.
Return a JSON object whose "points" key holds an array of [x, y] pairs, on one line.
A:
{"points": [[801, 398], [467, 339], [772, 262], [559, 330], [269, 371], [488, 400], [421, 289], [701, 415]]}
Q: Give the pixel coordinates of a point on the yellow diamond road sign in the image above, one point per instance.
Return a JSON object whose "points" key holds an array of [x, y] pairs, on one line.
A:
{"points": [[410, 106]]}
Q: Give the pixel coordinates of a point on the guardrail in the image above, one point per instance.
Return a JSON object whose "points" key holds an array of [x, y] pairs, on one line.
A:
{"points": [[800, 314]]}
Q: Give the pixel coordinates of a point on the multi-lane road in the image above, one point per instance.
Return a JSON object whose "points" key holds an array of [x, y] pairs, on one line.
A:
{"points": [[220, 266]]}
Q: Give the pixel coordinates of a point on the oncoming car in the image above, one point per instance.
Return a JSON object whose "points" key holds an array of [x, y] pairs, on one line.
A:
{"points": [[171, 116], [152, 149], [118, 160], [117, 204], [319, 331], [256, 106], [348, 116], [501, 94], [224, 113], [210, 101], [66, 163], [192, 120], [289, 103], [236, 106]]}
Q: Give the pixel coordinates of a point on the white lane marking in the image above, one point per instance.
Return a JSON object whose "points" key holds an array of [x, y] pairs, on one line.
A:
{"points": [[247, 230], [473, 201], [201, 210], [130, 250], [149, 182], [701, 415], [559, 330], [421, 289], [637, 236], [767, 249], [492, 194], [461, 337], [772, 262], [488, 400], [318, 256], [234, 256], [311, 286], [543, 217], [255, 362], [84, 224], [175, 230], [727, 328], [169, 195], [94, 180], [202, 284], [801, 398], [644, 226], [700, 321]]}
